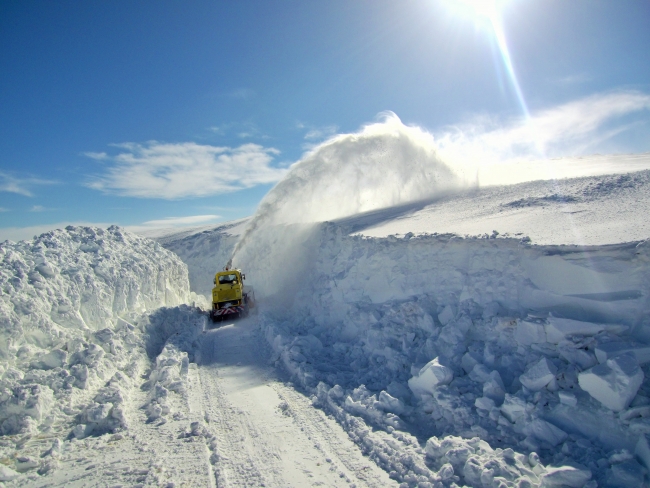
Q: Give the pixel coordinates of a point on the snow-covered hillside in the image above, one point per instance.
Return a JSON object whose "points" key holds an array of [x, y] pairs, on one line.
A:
{"points": [[588, 211]]}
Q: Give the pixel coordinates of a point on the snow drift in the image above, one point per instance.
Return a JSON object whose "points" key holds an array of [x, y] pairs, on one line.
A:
{"points": [[205, 252], [68, 348]]}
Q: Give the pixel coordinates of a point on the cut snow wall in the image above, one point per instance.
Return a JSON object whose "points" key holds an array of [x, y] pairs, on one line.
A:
{"points": [[599, 283], [454, 339]]}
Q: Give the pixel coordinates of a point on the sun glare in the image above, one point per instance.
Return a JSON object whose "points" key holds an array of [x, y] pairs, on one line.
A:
{"points": [[489, 10], [476, 8], [481, 8]]}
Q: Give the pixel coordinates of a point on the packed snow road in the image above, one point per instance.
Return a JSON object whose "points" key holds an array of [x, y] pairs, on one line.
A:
{"points": [[265, 432]]}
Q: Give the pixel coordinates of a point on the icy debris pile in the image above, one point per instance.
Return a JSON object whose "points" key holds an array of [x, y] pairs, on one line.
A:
{"points": [[71, 348], [170, 334], [530, 361]]}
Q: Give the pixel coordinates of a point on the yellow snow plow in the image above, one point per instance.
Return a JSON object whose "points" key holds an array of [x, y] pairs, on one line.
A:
{"points": [[230, 297]]}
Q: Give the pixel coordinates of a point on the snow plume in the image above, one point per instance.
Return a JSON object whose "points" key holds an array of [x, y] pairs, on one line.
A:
{"points": [[384, 165]]}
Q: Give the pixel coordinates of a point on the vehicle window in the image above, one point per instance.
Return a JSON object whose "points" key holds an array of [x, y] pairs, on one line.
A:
{"points": [[227, 279]]}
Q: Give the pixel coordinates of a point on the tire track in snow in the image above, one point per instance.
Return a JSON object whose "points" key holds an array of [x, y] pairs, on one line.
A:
{"points": [[320, 429], [240, 457], [264, 433]]}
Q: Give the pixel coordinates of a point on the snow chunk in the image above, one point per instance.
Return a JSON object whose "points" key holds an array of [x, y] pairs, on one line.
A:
{"points": [[615, 383], [559, 329], [388, 403], [484, 403], [54, 359], [539, 375], [528, 333], [513, 408], [567, 398], [572, 474], [34, 401], [81, 431], [446, 315], [642, 450], [7, 474], [492, 383], [609, 350], [468, 362], [429, 377], [546, 432], [627, 473]]}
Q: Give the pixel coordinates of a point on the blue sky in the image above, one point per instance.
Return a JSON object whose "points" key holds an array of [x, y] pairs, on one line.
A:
{"points": [[161, 113]]}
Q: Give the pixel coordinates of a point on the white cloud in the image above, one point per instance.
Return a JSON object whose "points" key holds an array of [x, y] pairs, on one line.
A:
{"points": [[570, 129], [2, 209], [220, 130], [242, 130], [21, 186], [25, 233], [37, 208], [181, 170]]}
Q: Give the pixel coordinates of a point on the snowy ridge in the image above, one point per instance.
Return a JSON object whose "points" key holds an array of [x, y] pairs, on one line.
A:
{"points": [[591, 210]]}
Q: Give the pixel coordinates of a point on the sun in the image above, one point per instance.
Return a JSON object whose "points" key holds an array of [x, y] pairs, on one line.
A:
{"points": [[489, 10], [481, 9]]}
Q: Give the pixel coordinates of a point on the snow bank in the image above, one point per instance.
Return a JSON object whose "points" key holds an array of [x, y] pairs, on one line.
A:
{"points": [[72, 342], [487, 344], [171, 339]]}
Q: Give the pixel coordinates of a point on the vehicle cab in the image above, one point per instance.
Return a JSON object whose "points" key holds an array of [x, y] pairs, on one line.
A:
{"points": [[228, 288]]}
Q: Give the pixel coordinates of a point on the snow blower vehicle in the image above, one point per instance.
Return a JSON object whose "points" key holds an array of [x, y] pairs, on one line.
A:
{"points": [[230, 297]]}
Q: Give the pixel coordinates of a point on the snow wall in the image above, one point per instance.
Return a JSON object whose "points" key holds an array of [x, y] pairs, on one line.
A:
{"points": [[601, 284], [492, 338], [69, 351]]}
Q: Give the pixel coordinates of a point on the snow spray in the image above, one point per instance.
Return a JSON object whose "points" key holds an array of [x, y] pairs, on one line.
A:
{"points": [[383, 165]]}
